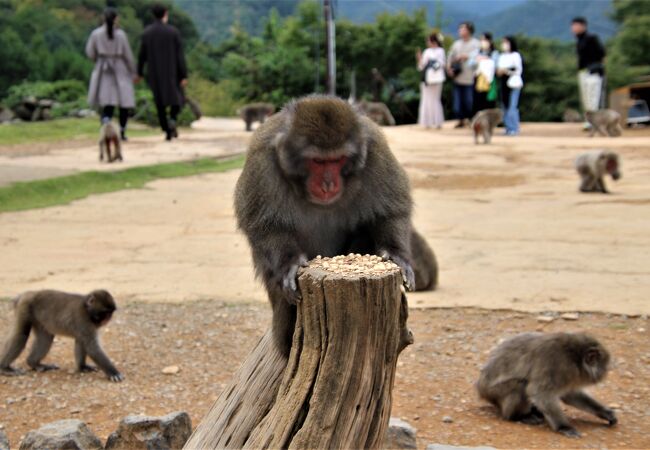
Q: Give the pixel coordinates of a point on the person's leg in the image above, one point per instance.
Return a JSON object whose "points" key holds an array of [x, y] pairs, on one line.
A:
{"points": [[512, 114], [107, 114], [124, 118], [457, 106], [162, 116], [173, 115], [468, 101]]}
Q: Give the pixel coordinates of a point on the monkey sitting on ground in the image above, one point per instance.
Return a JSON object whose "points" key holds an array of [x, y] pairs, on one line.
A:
{"points": [[319, 179], [606, 121], [49, 313], [255, 112], [528, 375], [593, 166], [484, 122], [377, 112], [108, 135]]}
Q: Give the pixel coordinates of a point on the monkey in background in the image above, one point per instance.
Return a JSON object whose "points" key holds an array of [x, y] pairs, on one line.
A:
{"points": [[48, 313], [108, 135], [319, 179], [377, 112], [607, 122], [255, 112], [484, 122], [593, 166], [528, 375]]}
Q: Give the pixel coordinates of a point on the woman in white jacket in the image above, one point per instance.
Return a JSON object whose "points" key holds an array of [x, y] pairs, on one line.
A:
{"points": [[431, 63], [510, 69]]}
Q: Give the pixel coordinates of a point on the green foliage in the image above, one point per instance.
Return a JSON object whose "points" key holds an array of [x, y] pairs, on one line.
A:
{"points": [[215, 99], [63, 190], [59, 91], [628, 51]]}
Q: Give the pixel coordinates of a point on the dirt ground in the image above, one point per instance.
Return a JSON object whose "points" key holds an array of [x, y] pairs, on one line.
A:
{"points": [[509, 228], [208, 340]]}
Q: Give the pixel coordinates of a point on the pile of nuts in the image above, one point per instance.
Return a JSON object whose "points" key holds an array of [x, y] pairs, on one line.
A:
{"points": [[354, 264]]}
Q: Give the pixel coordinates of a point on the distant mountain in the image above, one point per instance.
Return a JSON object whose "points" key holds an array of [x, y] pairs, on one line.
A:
{"points": [[545, 18]]}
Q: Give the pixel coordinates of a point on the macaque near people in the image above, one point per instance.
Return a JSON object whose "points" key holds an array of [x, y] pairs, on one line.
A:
{"points": [[377, 112], [571, 116], [606, 121], [528, 375], [48, 313], [255, 112], [593, 166], [319, 179], [484, 122], [108, 135]]}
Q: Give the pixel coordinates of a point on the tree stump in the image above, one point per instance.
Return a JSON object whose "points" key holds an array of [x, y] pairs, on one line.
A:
{"points": [[335, 389]]}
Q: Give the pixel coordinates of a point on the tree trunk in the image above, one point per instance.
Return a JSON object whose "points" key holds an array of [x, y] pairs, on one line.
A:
{"points": [[335, 389]]}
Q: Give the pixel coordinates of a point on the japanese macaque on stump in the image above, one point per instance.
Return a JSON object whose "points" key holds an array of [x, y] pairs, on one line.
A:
{"points": [[593, 166], [528, 376], [48, 313], [319, 179]]}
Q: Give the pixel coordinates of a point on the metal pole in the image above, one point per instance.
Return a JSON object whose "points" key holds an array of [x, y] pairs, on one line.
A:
{"points": [[331, 47]]}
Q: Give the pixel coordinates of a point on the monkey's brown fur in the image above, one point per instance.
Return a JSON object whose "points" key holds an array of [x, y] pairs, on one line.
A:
{"points": [[109, 137], [286, 227], [528, 375], [484, 122], [377, 112], [255, 112], [607, 122], [48, 313], [593, 166]]}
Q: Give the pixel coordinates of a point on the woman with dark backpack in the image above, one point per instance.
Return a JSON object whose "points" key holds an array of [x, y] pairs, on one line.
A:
{"points": [[431, 64], [111, 83]]}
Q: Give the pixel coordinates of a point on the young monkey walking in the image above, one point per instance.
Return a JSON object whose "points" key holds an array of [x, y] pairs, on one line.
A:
{"points": [[528, 375], [48, 313], [109, 137]]}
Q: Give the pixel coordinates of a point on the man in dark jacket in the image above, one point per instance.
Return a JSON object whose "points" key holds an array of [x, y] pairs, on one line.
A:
{"points": [[591, 67], [162, 52]]}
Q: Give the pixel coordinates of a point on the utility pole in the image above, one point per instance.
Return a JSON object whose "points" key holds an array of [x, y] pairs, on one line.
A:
{"points": [[331, 47]]}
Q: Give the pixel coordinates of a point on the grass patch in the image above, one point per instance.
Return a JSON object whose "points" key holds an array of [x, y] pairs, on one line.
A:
{"points": [[63, 190], [59, 130]]}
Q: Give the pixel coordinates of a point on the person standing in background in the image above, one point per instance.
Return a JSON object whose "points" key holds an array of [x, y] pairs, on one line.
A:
{"points": [[461, 64], [162, 52], [431, 63], [510, 69], [591, 67], [111, 83], [485, 87]]}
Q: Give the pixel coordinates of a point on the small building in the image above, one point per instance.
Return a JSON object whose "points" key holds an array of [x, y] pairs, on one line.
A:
{"points": [[632, 102]]}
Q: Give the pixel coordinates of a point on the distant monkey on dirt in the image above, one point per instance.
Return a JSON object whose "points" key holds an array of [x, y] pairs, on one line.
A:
{"points": [[571, 116], [255, 112], [593, 166], [377, 112], [484, 122], [607, 122], [48, 313], [320, 179], [528, 375], [108, 135]]}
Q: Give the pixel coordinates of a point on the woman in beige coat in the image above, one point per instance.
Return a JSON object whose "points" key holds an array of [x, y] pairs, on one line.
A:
{"points": [[111, 83]]}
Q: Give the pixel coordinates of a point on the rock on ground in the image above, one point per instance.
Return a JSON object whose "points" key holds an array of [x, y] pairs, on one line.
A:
{"points": [[143, 432], [71, 434], [4, 441], [400, 434]]}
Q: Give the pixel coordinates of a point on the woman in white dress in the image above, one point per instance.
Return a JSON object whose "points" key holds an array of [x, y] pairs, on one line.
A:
{"points": [[431, 63]]}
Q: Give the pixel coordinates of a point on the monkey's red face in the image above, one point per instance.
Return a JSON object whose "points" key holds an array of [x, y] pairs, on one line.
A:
{"points": [[324, 181]]}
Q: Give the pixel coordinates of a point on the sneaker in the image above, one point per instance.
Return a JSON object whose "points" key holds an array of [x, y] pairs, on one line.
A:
{"points": [[172, 128], [169, 135], [123, 135], [460, 124]]}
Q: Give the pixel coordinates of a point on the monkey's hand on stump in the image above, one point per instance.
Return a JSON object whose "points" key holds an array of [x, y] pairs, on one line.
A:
{"points": [[290, 280], [569, 431], [11, 372], [407, 271], [87, 368]]}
